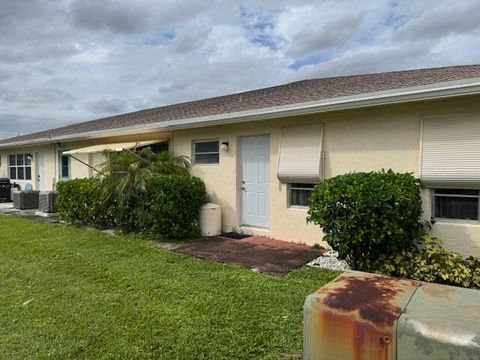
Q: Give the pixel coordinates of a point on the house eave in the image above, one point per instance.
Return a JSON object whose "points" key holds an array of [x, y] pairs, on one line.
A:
{"points": [[437, 91]]}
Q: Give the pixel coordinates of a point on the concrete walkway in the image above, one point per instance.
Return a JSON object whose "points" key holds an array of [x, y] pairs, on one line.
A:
{"points": [[35, 215], [258, 253]]}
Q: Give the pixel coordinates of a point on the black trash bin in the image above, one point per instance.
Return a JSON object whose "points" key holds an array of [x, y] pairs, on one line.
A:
{"points": [[5, 190]]}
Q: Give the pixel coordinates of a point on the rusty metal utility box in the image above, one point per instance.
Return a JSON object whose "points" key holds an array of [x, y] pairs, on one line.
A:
{"points": [[367, 316]]}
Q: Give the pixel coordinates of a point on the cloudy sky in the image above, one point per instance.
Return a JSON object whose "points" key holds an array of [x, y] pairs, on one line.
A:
{"points": [[64, 61]]}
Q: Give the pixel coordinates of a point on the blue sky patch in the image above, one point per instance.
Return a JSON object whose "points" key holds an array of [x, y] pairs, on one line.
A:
{"points": [[314, 59], [159, 40]]}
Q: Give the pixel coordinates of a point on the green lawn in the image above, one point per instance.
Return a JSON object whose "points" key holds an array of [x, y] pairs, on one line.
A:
{"points": [[77, 293]]}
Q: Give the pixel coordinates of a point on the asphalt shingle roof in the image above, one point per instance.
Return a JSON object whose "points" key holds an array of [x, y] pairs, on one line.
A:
{"points": [[288, 94]]}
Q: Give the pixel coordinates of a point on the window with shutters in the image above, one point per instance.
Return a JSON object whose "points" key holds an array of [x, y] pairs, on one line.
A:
{"points": [[450, 165], [451, 152], [300, 159]]}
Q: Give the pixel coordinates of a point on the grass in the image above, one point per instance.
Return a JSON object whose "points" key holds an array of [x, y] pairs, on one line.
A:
{"points": [[76, 293]]}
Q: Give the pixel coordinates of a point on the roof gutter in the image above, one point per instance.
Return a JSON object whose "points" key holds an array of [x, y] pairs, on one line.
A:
{"points": [[421, 93]]}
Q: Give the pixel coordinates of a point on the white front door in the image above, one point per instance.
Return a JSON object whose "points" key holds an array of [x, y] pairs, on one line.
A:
{"points": [[41, 171], [254, 182]]}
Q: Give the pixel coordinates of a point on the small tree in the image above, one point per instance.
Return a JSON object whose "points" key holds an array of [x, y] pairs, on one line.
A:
{"points": [[367, 217], [125, 174]]}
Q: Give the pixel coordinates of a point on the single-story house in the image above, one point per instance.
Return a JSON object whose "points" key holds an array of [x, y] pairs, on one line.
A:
{"points": [[261, 152]]}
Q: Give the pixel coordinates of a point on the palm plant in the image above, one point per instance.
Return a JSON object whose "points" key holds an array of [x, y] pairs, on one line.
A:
{"points": [[125, 174]]}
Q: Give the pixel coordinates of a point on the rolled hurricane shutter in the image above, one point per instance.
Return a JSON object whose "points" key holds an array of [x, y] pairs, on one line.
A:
{"points": [[300, 158], [451, 152]]}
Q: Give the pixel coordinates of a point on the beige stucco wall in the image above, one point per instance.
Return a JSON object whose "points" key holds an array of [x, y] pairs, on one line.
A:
{"points": [[353, 141], [358, 140], [49, 169]]}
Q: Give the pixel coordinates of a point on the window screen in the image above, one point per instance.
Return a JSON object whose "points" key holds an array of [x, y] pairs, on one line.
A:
{"points": [[300, 194], [456, 204], [206, 152]]}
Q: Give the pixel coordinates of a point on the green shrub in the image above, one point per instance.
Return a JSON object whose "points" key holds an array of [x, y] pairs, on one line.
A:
{"points": [[433, 263], [75, 200], [167, 208], [79, 203], [367, 217], [170, 207], [474, 264]]}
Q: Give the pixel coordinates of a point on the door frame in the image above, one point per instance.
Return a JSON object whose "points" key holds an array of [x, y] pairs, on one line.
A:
{"points": [[239, 152]]}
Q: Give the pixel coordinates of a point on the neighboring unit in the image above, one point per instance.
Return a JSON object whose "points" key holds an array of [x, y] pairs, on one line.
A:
{"points": [[260, 153]]}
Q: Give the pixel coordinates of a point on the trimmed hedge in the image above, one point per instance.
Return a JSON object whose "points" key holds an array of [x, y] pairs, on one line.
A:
{"points": [[74, 202], [171, 207], [367, 217], [78, 203], [168, 208]]}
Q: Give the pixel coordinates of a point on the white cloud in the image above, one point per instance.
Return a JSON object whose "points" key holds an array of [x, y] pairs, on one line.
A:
{"points": [[453, 18], [107, 106], [318, 26], [70, 60]]}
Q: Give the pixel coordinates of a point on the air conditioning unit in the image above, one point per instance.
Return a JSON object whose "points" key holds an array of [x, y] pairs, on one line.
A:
{"points": [[25, 200], [47, 201]]}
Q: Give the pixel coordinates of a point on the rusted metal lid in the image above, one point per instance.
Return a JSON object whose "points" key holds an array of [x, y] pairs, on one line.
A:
{"points": [[355, 316]]}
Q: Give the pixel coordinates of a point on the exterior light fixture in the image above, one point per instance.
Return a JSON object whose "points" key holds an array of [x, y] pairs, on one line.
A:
{"points": [[224, 146]]}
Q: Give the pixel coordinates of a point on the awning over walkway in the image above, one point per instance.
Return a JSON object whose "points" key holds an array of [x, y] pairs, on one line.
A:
{"points": [[111, 147]]}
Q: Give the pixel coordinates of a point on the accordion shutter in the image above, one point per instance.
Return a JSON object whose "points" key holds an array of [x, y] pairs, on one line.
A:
{"points": [[300, 158], [451, 152]]}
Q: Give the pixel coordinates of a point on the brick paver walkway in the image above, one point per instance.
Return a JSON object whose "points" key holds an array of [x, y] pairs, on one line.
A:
{"points": [[266, 255]]}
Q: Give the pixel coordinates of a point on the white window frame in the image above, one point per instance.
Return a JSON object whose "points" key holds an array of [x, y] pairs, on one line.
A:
{"points": [[290, 187], [194, 153], [434, 195], [60, 166], [17, 166]]}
